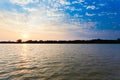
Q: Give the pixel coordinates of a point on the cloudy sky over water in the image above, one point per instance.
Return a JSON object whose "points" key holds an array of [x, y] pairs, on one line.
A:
{"points": [[59, 19]]}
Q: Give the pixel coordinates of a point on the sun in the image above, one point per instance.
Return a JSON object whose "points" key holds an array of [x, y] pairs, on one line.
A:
{"points": [[25, 36]]}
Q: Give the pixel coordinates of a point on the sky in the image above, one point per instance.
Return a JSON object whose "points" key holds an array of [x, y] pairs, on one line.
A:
{"points": [[59, 19]]}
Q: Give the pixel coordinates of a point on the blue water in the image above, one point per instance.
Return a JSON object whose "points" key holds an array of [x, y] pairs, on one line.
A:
{"points": [[59, 61]]}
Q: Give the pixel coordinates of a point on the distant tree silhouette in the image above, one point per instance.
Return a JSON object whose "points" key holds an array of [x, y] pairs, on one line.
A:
{"points": [[28, 41], [93, 41], [19, 41], [118, 39]]}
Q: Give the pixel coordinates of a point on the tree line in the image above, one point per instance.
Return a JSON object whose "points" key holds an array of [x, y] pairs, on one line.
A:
{"points": [[64, 41]]}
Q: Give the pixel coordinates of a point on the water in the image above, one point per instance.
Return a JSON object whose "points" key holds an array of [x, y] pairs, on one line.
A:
{"points": [[59, 61]]}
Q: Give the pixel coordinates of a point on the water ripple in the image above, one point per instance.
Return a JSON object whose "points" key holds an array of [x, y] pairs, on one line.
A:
{"points": [[60, 62]]}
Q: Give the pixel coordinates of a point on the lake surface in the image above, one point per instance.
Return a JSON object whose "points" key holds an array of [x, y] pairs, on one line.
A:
{"points": [[59, 61]]}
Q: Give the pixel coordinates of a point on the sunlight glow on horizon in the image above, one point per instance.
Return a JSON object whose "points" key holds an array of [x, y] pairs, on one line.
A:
{"points": [[25, 36]]}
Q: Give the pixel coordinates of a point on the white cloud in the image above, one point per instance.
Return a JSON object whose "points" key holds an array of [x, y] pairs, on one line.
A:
{"points": [[73, 8], [64, 2], [44, 23], [12, 19], [107, 13], [111, 13], [78, 2], [30, 9], [88, 14], [90, 7], [35, 18], [75, 2], [23, 2], [81, 0], [90, 24], [102, 5]]}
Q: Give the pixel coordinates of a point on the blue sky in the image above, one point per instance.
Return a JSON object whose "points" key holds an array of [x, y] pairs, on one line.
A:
{"points": [[60, 19]]}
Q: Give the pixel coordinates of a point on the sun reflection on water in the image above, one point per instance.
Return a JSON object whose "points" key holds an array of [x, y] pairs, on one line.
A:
{"points": [[24, 49], [24, 53]]}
